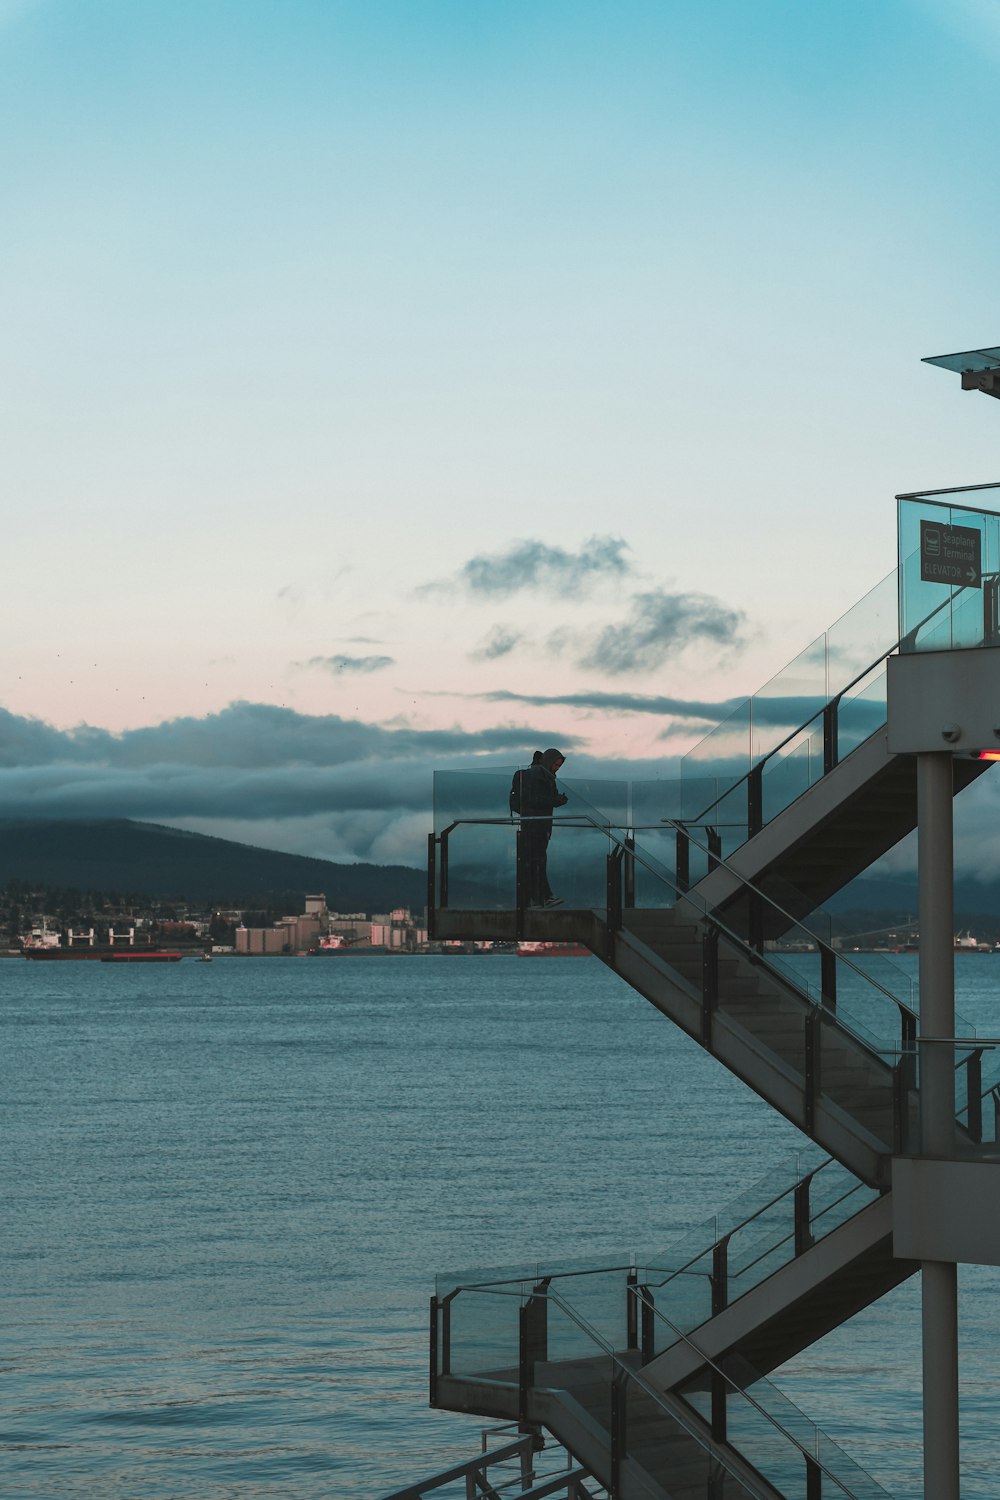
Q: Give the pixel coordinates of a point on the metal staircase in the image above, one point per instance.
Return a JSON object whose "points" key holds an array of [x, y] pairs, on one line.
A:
{"points": [[700, 912]]}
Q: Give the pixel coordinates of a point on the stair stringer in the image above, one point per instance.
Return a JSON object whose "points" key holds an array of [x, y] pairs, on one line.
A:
{"points": [[869, 798], [839, 1276], [743, 1054]]}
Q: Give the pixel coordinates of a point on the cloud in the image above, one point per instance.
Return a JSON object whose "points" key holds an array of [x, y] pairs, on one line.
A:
{"points": [[340, 664], [660, 623], [501, 641], [251, 763], [629, 703], [535, 565]]}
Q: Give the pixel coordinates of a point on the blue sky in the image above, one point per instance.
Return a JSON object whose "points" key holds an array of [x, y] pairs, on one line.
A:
{"points": [[368, 362]]}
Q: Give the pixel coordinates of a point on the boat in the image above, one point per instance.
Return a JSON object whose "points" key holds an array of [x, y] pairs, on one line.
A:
{"points": [[552, 950], [347, 950], [54, 954], [141, 956]]}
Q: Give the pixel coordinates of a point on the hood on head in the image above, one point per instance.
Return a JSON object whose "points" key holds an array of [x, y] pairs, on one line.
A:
{"points": [[552, 758]]}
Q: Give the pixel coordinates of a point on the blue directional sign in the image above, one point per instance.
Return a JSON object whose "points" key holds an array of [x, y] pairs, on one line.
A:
{"points": [[951, 555]]}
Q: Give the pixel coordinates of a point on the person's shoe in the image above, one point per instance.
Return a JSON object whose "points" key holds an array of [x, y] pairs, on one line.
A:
{"points": [[554, 901]]}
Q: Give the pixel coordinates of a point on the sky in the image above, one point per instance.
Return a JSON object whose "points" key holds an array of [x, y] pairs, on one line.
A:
{"points": [[405, 384]]}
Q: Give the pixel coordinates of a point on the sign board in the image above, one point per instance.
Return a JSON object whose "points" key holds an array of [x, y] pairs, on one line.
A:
{"points": [[951, 554]]}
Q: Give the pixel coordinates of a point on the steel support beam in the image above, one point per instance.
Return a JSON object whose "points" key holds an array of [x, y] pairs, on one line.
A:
{"points": [[935, 857]]}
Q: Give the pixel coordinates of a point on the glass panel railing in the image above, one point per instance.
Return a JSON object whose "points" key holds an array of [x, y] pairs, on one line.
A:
{"points": [[781, 1442], [760, 1232], [971, 1070], [793, 697], [861, 711], [866, 633], [793, 769], [723, 757], [792, 700], [638, 1425], [949, 552], [482, 1336], [471, 810]]}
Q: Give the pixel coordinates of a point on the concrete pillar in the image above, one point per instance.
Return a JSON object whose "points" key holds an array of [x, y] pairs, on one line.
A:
{"points": [[935, 855]]}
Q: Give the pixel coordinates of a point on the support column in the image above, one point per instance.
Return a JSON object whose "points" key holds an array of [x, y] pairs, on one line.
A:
{"points": [[937, 1112]]}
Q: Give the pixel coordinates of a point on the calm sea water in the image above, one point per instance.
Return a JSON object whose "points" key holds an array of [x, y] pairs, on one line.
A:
{"points": [[227, 1189]]}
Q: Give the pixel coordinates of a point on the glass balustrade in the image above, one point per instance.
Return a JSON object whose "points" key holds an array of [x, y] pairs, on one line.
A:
{"points": [[520, 1335], [949, 550], [752, 1238]]}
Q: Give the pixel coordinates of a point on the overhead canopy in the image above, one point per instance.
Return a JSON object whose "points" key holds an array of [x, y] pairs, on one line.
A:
{"points": [[971, 360]]}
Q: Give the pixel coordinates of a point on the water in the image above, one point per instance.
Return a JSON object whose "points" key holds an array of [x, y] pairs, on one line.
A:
{"points": [[228, 1188]]}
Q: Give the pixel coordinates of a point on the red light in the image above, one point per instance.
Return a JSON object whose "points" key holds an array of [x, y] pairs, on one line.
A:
{"points": [[988, 755]]}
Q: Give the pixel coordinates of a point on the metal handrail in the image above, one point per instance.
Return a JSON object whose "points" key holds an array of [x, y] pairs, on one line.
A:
{"points": [[762, 1411], [547, 1295], [623, 1369], [737, 1228]]}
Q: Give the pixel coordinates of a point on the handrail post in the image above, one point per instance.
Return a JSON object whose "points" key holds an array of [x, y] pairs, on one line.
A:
{"points": [[631, 1310], [614, 901], [801, 1213], [533, 1343], [814, 1479], [648, 1326], [683, 860], [828, 976], [431, 885], [755, 799], [720, 1275], [628, 872], [443, 874], [709, 981], [520, 882], [714, 840], [718, 1384], [618, 1432], [434, 1354], [974, 1093], [813, 1050], [830, 732]]}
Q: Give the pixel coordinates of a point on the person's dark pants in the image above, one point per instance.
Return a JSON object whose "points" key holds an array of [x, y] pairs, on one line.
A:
{"points": [[534, 846]]}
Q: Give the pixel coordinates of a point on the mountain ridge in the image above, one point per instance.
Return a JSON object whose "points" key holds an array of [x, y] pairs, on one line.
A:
{"points": [[157, 861]]}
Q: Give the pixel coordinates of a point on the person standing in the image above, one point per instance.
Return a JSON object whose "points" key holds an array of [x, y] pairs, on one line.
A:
{"points": [[540, 794]]}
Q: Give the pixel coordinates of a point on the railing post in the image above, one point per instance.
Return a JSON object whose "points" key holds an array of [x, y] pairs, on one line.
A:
{"points": [[683, 861], [532, 1344], [974, 1094], [619, 1435], [445, 1349], [814, 1042], [614, 901], [631, 1311], [718, 1406], [801, 1214], [828, 976], [520, 883], [831, 715], [434, 1353], [648, 1331], [814, 1479], [628, 872], [755, 799], [714, 840], [431, 884], [443, 873], [720, 1276], [709, 981]]}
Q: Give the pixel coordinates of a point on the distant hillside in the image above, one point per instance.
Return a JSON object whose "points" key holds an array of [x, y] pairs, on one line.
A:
{"points": [[147, 859]]}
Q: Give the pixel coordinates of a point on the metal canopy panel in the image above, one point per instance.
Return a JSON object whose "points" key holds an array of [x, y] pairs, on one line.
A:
{"points": [[972, 359]]}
